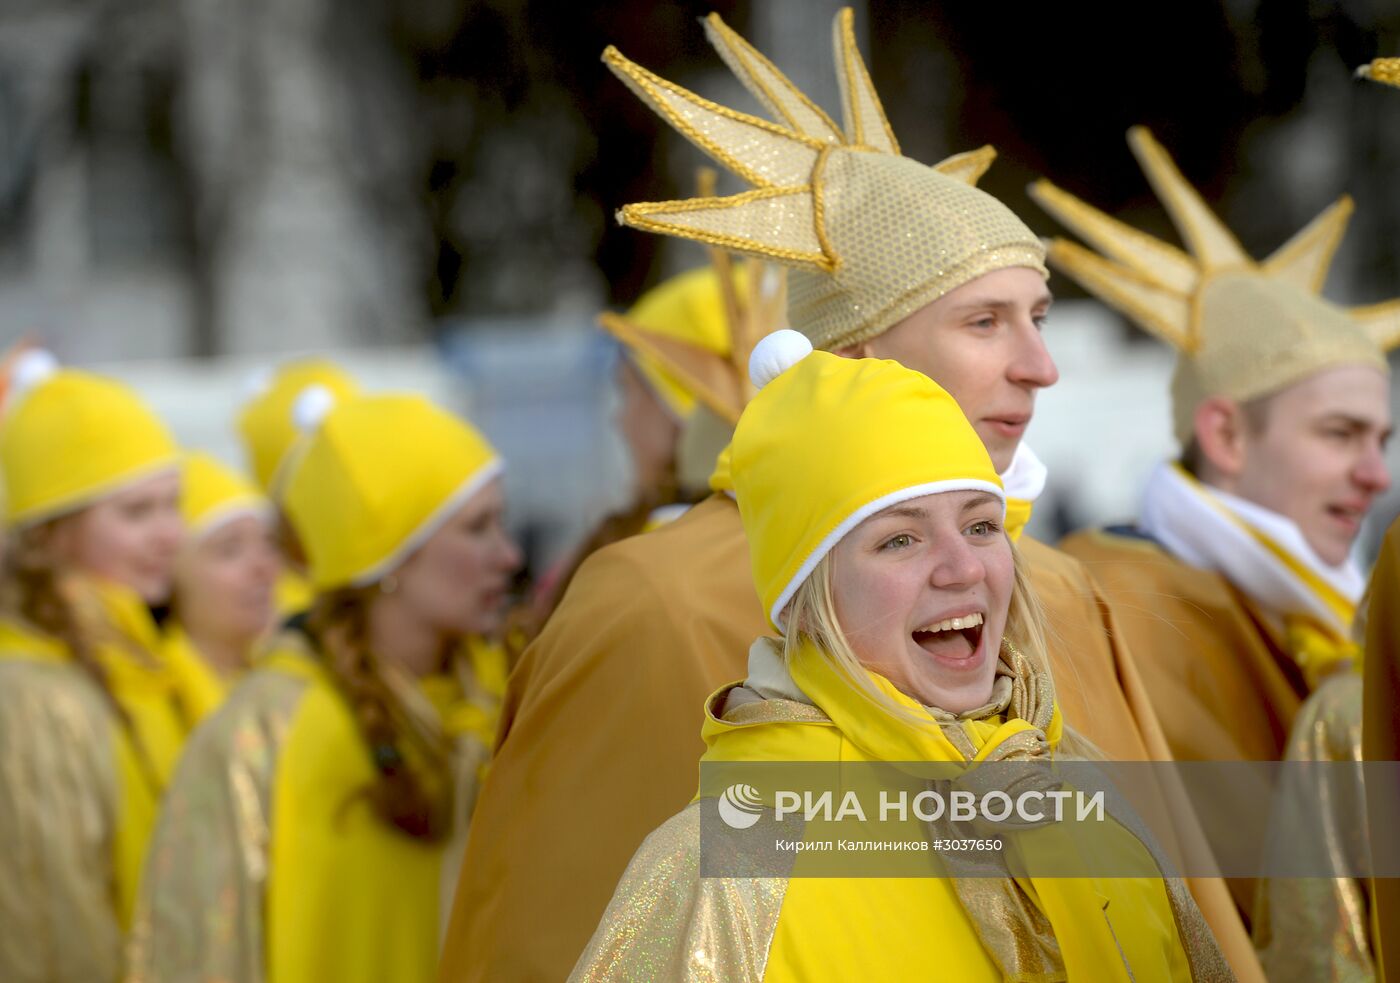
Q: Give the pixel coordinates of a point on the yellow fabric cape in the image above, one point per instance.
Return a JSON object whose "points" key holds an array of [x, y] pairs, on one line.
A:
{"points": [[270, 864], [650, 627]]}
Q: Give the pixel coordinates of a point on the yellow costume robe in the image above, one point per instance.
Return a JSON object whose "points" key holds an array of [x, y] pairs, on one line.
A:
{"points": [[667, 922], [79, 788], [1222, 685], [649, 628], [269, 863]]}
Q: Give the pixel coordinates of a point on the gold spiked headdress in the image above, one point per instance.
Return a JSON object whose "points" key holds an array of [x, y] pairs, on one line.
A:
{"points": [[1241, 328], [1386, 70], [713, 370], [870, 236]]}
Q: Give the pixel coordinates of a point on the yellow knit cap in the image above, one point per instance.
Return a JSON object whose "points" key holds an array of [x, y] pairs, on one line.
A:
{"points": [[266, 424], [871, 236], [70, 437], [212, 493], [688, 308], [378, 476], [830, 441], [1241, 328]]}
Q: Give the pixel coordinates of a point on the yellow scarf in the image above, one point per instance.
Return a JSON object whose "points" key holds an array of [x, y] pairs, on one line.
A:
{"points": [[1038, 928]]}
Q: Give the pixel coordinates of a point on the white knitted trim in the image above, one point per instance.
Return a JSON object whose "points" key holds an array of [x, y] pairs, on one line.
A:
{"points": [[221, 515], [430, 525], [866, 511]]}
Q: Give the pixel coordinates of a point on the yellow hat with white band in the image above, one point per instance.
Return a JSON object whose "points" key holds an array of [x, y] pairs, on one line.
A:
{"points": [[266, 420], [70, 437], [212, 494], [376, 477], [830, 441]]}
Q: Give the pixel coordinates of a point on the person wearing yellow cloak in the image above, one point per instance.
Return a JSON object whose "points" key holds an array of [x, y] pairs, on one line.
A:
{"points": [[886, 257], [312, 829], [269, 434], [908, 632], [224, 579], [91, 719]]}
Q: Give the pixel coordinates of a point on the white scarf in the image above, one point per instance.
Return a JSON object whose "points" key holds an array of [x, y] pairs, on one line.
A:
{"points": [[1210, 528], [1025, 478]]}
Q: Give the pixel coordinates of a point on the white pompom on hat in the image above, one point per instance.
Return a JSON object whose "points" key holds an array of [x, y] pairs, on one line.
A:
{"points": [[777, 353]]}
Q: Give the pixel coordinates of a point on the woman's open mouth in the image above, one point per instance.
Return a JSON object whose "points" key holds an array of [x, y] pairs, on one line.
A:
{"points": [[953, 639]]}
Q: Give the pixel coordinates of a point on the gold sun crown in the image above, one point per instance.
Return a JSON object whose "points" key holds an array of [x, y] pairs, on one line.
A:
{"points": [[1242, 328], [753, 307], [828, 200]]}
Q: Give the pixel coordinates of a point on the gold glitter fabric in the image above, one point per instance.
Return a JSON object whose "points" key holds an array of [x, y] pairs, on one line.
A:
{"points": [[1384, 70], [1241, 328], [1317, 929], [870, 236], [201, 911], [666, 922], [58, 812]]}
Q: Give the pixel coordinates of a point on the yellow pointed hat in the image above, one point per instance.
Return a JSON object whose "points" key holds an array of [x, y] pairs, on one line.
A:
{"points": [[1241, 328], [265, 422], [870, 236], [828, 442], [70, 437], [378, 475], [212, 493]]}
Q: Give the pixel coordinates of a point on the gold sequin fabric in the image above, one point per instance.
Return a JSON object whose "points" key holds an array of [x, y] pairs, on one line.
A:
{"points": [[1310, 928], [200, 915], [871, 236], [666, 922], [1241, 328], [58, 807]]}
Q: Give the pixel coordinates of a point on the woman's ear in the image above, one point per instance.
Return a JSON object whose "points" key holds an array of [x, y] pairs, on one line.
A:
{"points": [[1221, 436]]}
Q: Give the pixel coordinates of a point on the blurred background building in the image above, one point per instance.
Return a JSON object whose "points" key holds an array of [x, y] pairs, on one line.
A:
{"points": [[190, 189]]}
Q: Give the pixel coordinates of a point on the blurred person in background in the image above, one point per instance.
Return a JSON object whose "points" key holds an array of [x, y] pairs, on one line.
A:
{"points": [[225, 575], [92, 719], [270, 436], [681, 380], [1236, 586], [886, 258], [313, 829]]}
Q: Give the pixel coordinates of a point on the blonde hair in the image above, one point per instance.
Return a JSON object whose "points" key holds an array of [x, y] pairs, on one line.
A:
{"points": [[811, 615]]}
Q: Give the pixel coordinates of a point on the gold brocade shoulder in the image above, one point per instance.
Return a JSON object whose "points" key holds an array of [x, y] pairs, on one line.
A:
{"points": [[666, 922], [200, 914], [59, 804]]}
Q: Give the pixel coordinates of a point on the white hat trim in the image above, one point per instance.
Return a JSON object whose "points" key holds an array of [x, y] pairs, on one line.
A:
{"points": [[829, 542]]}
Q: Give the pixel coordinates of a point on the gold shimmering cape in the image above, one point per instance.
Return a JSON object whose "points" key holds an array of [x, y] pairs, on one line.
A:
{"points": [[79, 786], [651, 627], [60, 808], [1312, 928], [201, 911]]}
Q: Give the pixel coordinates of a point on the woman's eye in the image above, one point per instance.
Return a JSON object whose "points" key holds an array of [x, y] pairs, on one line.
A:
{"points": [[899, 542], [985, 322], [983, 528]]}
